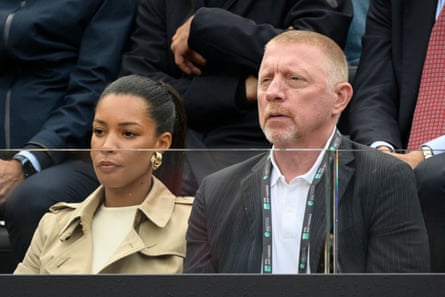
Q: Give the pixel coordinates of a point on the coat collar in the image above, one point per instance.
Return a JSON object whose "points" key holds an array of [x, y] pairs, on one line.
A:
{"points": [[157, 207]]}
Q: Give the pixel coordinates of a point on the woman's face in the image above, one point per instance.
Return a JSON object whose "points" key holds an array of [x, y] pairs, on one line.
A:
{"points": [[122, 129]]}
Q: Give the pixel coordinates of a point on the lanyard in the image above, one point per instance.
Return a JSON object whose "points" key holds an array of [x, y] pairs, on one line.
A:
{"points": [[310, 200]]}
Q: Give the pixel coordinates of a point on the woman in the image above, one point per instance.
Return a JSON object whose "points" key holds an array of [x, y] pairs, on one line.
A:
{"points": [[132, 223]]}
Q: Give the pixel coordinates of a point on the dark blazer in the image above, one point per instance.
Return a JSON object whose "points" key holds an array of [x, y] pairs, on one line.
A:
{"points": [[231, 35], [388, 77], [380, 227]]}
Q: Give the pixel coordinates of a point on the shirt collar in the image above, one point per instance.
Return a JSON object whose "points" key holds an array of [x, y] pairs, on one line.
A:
{"points": [[308, 176]]}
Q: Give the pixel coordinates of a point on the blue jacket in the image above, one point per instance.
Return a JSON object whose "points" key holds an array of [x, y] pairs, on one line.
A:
{"points": [[56, 56]]}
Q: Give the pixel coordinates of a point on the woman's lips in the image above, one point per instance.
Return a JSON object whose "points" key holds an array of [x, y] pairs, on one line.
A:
{"points": [[107, 166]]}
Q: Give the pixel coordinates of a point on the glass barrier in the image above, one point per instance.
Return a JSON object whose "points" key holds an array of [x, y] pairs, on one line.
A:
{"points": [[303, 211]]}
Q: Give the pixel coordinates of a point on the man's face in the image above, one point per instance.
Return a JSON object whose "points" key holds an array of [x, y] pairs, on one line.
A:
{"points": [[295, 99]]}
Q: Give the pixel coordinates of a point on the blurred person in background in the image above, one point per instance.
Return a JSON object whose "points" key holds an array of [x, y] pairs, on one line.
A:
{"points": [[56, 58]]}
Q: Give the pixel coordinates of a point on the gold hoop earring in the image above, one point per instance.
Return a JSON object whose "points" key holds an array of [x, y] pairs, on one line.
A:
{"points": [[156, 160]]}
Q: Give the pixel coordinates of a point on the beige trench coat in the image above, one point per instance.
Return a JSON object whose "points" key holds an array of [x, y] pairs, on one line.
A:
{"points": [[62, 243]]}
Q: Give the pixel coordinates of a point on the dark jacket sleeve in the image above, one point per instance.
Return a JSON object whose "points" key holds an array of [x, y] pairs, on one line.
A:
{"points": [[198, 257], [219, 34], [381, 226], [373, 110], [150, 53], [206, 96], [398, 240], [226, 38], [99, 58]]}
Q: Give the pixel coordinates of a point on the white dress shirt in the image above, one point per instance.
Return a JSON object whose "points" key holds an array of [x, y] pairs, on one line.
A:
{"points": [[288, 205]]}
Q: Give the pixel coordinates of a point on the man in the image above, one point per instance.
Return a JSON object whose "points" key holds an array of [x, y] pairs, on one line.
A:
{"points": [[386, 91], [302, 89], [210, 52]]}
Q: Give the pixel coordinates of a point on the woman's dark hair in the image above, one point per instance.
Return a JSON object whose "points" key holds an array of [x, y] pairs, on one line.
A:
{"points": [[167, 110]]}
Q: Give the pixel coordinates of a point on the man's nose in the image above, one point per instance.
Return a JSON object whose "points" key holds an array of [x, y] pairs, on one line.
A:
{"points": [[275, 90]]}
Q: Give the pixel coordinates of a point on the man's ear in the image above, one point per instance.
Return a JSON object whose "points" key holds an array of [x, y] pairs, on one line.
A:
{"points": [[343, 92]]}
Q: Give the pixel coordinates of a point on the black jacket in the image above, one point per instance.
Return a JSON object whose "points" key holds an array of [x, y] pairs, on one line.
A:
{"points": [[56, 56], [380, 223]]}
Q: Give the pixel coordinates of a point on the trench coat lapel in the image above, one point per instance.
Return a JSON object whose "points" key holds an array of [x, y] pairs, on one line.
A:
{"points": [[73, 259]]}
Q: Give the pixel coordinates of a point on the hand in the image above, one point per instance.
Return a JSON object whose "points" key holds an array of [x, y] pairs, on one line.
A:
{"points": [[188, 60], [384, 148], [11, 175], [251, 88], [412, 158]]}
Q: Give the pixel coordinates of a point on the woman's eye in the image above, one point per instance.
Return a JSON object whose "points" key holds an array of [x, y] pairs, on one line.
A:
{"points": [[98, 131], [129, 134]]}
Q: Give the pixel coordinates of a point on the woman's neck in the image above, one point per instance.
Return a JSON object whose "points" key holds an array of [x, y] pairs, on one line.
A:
{"points": [[133, 194]]}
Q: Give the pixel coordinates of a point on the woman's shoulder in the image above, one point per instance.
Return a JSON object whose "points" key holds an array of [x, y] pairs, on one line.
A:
{"points": [[58, 216], [63, 207], [61, 213], [183, 207], [184, 200]]}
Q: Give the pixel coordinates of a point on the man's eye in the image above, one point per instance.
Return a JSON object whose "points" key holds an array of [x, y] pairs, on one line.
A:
{"points": [[297, 81], [265, 81]]}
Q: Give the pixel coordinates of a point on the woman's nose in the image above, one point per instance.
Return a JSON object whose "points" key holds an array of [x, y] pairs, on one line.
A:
{"points": [[110, 143]]}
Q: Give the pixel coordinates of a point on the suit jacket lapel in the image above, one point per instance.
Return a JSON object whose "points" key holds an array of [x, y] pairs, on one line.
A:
{"points": [[251, 196], [327, 190]]}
